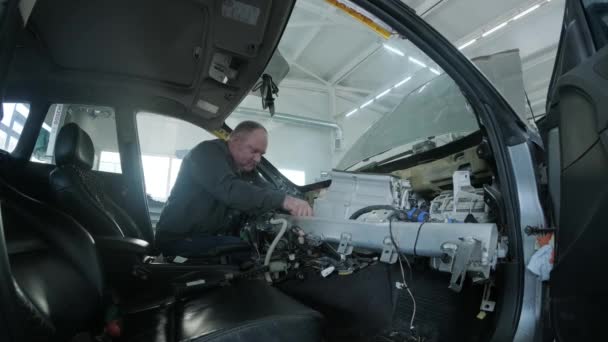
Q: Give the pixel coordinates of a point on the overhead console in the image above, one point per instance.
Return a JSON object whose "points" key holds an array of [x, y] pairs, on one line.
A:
{"points": [[241, 25], [245, 34]]}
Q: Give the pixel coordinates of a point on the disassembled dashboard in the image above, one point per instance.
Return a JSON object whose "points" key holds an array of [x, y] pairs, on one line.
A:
{"points": [[363, 219]]}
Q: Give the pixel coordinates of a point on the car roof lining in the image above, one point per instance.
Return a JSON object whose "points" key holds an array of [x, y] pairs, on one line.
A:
{"points": [[145, 54]]}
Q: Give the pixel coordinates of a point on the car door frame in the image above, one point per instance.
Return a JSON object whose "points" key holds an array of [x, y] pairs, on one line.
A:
{"points": [[513, 147]]}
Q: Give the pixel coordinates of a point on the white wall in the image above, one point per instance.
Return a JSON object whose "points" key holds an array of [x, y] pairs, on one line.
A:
{"points": [[311, 104], [164, 135], [291, 146]]}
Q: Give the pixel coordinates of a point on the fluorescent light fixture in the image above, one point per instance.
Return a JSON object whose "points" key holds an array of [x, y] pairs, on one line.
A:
{"points": [[393, 50], [470, 42], [496, 28], [47, 127], [526, 11], [383, 93], [366, 104], [402, 82], [435, 71], [415, 61], [421, 89], [352, 112]]}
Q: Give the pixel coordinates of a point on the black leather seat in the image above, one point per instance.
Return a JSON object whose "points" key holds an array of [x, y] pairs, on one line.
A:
{"points": [[51, 289], [79, 192]]}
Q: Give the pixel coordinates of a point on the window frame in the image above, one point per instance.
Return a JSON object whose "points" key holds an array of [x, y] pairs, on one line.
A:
{"points": [[40, 125]]}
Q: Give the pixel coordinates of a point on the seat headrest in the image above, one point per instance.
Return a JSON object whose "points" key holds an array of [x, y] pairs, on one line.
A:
{"points": [[74, 147]]}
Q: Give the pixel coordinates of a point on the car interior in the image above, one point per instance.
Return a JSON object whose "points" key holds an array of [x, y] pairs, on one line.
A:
{"points": [[77, 255]]}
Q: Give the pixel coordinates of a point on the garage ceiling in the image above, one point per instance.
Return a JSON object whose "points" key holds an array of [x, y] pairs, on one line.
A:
{"points": [[361, 67]]}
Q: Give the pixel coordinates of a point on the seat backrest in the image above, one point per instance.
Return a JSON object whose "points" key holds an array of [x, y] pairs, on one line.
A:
{"points": [[79, 192], [51, 283]]}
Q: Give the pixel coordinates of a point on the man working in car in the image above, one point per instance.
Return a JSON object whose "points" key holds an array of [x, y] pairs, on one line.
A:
{"points": [[216, 178]]}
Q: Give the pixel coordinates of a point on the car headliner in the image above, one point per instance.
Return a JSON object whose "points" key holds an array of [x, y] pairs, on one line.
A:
{"points": [[152, 55]]}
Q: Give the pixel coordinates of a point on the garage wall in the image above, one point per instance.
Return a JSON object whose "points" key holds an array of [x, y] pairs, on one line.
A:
{"points": [[167, 135], [311, 104]]}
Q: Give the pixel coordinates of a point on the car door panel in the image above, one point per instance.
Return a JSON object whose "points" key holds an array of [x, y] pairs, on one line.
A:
{"points": [[582, 111], [577, 121]]}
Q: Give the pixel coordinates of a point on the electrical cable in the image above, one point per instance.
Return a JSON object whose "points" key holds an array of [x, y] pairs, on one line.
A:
{"points": [[267, 89], [369, 208], [405, 284], [390, 230], [417, 236]]}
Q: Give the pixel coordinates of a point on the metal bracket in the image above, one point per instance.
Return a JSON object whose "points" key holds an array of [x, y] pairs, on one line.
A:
{"points": [[389, 252], [486, 303], [345, 247], [461, 253]]}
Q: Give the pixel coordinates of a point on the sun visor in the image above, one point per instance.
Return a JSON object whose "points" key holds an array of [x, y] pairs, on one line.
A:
{"points": [[504, 70], [25, 8], [168, 39]]}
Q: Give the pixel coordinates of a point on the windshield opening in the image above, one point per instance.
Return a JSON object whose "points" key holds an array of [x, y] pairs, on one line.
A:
{"points": [[352, 94]]}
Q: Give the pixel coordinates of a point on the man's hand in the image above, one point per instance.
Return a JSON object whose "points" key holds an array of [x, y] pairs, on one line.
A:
{"points": [[296, 206]]}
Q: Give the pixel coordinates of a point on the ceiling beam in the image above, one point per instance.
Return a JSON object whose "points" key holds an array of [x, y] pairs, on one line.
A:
{"points": [[315, 23], [303, 85], [354, 90], [336, 16], [307, 71], [305, 41], [354, 62], [312, 34], [310, 73]]}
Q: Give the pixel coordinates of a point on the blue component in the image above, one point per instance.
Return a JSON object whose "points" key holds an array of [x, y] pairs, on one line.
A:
{"points": [[423, 216], [417, 215]]}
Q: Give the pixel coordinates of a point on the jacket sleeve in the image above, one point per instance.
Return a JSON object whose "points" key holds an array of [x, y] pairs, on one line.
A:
{"points": [[211, 170]]}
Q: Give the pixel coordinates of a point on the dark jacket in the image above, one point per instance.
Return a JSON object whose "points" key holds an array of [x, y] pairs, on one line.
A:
{"points": [[208, 190]]}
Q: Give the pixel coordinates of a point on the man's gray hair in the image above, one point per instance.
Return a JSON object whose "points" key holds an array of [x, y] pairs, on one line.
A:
{"points": [[245, 128]]}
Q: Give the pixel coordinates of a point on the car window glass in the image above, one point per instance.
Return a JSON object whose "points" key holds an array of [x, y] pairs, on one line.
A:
{"points": [[597, 16], [11, 126], [99, 122], [164, 141]]}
